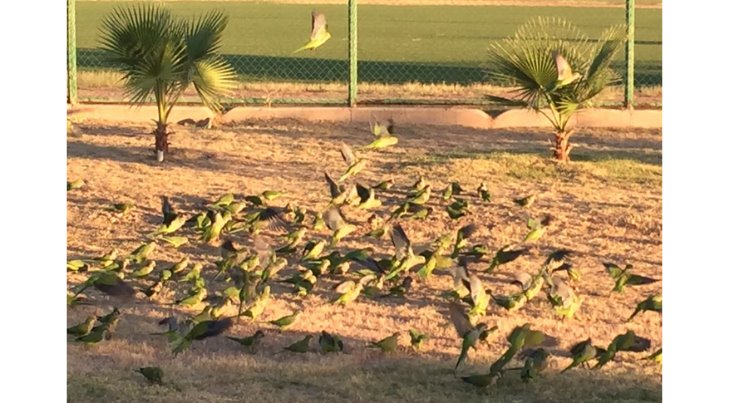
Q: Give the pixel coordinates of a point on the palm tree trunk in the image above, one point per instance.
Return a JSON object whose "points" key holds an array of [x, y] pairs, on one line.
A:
{"points": [[562, 146], [161, 143]]}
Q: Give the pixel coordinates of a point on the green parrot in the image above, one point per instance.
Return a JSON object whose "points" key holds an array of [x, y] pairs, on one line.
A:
{"points": [[122, 208], [271, 194], [420, 197], [627, 341], [367, 198], [526, 201], [484, 193], [213, 231], [384, 185], [537, 228], [193, 274], [431, 261], [523, 336], [477, 252], [420, 183], [482, 380], [194, 297], [378, 129], [72, 300], [384, 141], [209, 328], [73, 185], [142, 252], [153, 374], [335, 190], [530, 285], [144, 270], [157, 286], [200, 331], [168, 228], [462, 236], [653, 303], [349, 290], [285, 322], [536, 362], [573, 273], [175, 241], [504, 256], [168, 212], [457, 210], [336, 222], [82, 329], [111, 284], [511, 302], [556, 260], [77, 265], [319, 32], [313, 249], [295, 237], [404, 254], [565, 76], [115, 313], [303, 282], [401, 289], [250, 343], [388, 344], [330, 343], [581, 353], [563, 298], [354, 165], [470, 334], [453, 188], [624, 277], [108, 258], [259, 304], [656, 357], [180, 266], [417, 338], [479, 298], [95, 336], [223, 201], [301, 346]]}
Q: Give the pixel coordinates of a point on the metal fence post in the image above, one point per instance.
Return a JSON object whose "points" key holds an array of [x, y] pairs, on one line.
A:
{"points": [[71, 49], [630, 53], [352, 95]]}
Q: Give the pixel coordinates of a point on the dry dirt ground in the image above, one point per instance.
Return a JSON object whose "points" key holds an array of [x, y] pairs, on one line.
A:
{"points": [[606, 205]]}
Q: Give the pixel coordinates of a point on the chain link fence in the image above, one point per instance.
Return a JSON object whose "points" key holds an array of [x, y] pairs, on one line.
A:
{"points": [[408, 51]]}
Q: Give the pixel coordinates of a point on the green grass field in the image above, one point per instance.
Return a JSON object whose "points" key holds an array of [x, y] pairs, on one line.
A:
{"points": [[397, 44]]}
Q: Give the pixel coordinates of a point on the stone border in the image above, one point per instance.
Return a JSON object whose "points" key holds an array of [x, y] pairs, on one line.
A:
{"points": [[439, 116]]}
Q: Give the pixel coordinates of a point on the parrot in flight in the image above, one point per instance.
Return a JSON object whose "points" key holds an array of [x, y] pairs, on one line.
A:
{"points": [[319, 32], [565, 76]]}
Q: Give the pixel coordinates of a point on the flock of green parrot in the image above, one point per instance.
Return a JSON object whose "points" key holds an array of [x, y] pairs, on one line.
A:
{"points": [[238, 285]]}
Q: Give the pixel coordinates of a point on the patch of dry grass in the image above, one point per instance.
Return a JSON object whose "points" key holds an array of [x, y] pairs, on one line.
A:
{"points": [[105, 85], [607, 206]]}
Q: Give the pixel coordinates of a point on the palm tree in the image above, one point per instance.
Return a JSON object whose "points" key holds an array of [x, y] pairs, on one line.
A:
{"points": [[528, 61], [161, 56]]}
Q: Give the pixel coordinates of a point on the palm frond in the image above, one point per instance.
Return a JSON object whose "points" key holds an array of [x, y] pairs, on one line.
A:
{"points": [[213, 77], [525, 62], [205, 35]]}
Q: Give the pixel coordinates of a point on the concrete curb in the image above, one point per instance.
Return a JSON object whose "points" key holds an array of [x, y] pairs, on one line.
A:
{"points": [[439, 116]]}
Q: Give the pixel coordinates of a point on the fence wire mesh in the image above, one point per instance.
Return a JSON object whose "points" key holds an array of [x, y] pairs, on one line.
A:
{"points": [[409, 51]]}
